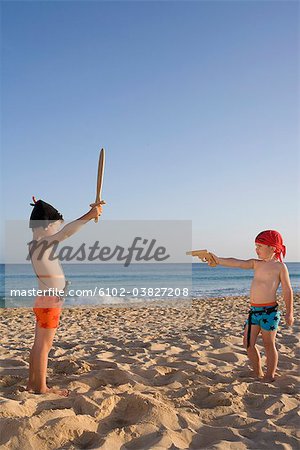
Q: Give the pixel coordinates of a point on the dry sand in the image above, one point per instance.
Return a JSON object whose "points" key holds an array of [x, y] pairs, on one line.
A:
{"points": [[148, 378]]}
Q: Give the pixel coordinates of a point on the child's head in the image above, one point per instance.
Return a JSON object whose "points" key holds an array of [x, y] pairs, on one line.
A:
{"points": [[269, 244], [44, 218]]}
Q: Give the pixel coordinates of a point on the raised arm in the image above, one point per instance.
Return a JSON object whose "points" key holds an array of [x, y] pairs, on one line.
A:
{"points": [[72, 227], [287, 292], [233, 262]]}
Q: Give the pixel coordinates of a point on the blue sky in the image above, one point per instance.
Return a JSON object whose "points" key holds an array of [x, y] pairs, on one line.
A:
{"points": [[196, 104]]}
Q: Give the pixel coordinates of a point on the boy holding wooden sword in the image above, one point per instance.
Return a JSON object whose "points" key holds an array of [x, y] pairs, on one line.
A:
{"points": [[45, 222]]}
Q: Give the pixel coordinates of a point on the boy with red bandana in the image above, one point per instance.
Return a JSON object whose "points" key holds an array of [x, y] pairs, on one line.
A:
{"points": [[264, 316]]}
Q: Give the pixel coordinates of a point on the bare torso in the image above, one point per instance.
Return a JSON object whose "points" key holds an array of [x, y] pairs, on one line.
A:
{"points": [[49, 270], [265, 282]]}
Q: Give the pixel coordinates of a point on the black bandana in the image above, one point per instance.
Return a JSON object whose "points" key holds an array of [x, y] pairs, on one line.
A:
{"points": [[43, 214]]}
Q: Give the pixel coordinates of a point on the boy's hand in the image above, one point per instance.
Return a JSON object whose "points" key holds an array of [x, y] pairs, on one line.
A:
{"points": [[95, 211], [205, 256], [289, 320], [214, 261]]}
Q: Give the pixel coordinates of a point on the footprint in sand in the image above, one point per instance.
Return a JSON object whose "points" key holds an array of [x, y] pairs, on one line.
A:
{"points": [[89, 439], [261, 403], [114, 377], [218, 344], [226, 357], [148, 441], [275, 409], [69, 428], [10, 428], [203, 398], [9, 380], [289, 419], [240, 389], [166, 376], [146, 374], [208, 437], [259, 387], [90, 407], [70, 367], [135, 408], [288, 385], [216, 377], [233, 421], [12, 363], [13, 408]]}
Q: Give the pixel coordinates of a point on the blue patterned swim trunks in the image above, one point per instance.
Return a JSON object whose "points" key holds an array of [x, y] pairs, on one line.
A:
{"points": [[265, 317]]}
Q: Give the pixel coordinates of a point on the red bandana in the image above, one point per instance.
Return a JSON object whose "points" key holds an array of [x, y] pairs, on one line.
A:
{"points": [[273, 239]]}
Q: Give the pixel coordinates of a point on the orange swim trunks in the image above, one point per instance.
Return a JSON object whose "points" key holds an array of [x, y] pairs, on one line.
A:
{"points": [[47, 310]]}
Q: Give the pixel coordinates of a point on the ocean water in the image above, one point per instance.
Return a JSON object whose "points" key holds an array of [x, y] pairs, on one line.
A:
{"points": [[98, 284]]}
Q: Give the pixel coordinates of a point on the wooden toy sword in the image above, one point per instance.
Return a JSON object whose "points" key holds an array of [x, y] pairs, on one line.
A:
{"points": [[100, 180]]}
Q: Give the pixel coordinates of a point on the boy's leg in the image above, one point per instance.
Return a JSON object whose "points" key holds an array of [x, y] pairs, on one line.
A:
{"points": [[271, 353], [39, 358], [31, 380], [39, 362], [253, 353]]}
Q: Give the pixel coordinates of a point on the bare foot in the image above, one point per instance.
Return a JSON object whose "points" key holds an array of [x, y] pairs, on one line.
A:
{"points": [[268, 379], [29, 388], [259, 375], [61, 392], [250, 374]]}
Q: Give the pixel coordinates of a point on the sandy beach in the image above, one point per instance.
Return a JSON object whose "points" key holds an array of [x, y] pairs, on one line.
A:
{"points": [[148, 378]]}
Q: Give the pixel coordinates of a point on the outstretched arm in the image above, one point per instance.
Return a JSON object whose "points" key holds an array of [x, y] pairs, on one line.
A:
{"points": [[287, 295], [233, 262], [72, 227]]}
